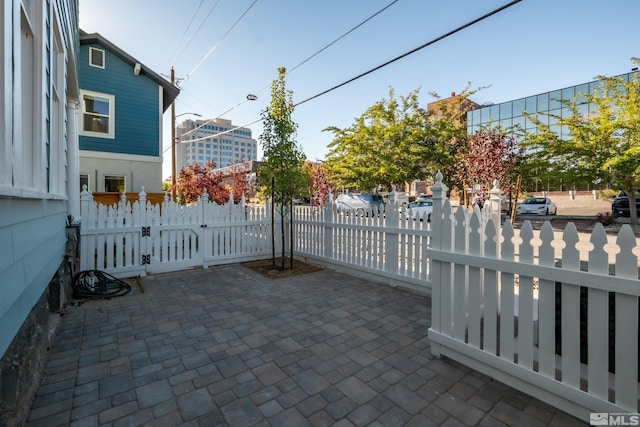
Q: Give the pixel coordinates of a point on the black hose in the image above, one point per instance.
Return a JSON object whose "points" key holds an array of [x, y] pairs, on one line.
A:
{"points": [[98, 284]]}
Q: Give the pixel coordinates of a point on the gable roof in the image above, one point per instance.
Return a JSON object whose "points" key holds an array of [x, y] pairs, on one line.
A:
{"points": [[169, 91]]}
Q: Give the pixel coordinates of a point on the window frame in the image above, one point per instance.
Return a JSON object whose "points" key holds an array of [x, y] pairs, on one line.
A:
{"points": [[111, 117], [104, 57], [114, 175]]}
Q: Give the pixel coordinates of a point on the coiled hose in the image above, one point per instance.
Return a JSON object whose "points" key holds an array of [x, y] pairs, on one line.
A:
{"points": [[98, 284]]}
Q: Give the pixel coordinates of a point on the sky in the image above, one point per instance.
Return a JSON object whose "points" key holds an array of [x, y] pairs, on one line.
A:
{"points": [[223, 50]]}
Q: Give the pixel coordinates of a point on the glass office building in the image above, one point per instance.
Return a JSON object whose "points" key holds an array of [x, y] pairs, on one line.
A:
{"points": [[509, 115]]}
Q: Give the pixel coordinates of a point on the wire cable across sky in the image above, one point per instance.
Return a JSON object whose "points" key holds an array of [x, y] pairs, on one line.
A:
{"points": [[412, 51]]}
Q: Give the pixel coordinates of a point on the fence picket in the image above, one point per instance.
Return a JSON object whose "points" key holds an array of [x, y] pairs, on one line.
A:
{"points": [[507, 280], [475, 281], [490, 293], [570, 311], [525, 300], [598, 319], [546, 307], [460, 277], [626, 325]]}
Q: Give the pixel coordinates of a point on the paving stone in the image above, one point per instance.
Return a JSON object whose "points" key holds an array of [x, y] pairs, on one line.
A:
{"points": [[117, 412], [405, 399], [459, 409], [115, 384], [241, 412], [289, 418], [311, 382], [340, 408], [506, 413], [154, 393], [356, 390], [363, 415]]}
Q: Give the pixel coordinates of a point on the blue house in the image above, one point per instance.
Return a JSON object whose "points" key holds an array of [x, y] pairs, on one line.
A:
{"points": [[39, 192], [120, 123]]}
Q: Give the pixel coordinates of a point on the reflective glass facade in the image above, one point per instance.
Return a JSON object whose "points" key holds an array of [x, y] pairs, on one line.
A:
{"points": [[509, 114]]}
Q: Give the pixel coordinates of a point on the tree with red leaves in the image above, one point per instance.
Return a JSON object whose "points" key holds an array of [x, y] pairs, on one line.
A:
{"points": [[192, 181], [320, 178], [487, 155]]}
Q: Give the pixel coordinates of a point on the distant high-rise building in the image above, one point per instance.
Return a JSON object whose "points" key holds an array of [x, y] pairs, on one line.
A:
{"points": [[199, 141]]}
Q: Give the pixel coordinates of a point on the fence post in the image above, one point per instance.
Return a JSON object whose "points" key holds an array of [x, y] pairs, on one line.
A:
{"points": [[328, 220], [391, 237], [145, 233], [87, 220], [495, 200], [439, 191]]}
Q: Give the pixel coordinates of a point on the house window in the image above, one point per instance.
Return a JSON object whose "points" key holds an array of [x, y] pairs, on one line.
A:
{"points": [[84, 180], [98, 118], [114, 183], [96, 57]]}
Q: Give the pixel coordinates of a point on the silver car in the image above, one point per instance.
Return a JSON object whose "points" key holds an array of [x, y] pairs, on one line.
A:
{"points": [[419, 210], [536, 206]]}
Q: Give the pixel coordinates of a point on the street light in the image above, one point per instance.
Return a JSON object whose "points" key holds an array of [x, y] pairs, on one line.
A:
{"points": [[173, 146]]}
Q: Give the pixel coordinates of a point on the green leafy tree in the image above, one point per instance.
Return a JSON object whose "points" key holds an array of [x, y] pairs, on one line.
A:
{"points": [[390, 143], [281, 174], [601, 144], [396, 141]]}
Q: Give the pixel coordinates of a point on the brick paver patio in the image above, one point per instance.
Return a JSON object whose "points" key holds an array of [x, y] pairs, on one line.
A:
{"points": [[226, 346]]}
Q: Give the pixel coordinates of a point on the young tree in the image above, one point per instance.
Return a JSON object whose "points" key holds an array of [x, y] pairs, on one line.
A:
{"points": [[603, 143], [486, 156], [281, 172]]}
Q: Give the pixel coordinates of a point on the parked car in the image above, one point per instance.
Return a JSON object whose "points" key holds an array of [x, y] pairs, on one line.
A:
{"points": [[419, 210], [536, 206], [620, 205], [422, 197], [360, 203]]}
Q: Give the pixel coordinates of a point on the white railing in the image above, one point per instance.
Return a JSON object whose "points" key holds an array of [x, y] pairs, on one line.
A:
{"points": [[129, 240], [563, 329], [390, 245]]}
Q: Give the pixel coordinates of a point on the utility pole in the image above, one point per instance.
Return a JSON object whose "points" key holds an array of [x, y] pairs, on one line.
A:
{"points": [[173, 142]]}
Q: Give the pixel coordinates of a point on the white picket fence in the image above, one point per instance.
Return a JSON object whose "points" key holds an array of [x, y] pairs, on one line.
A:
{"points": [[505, 304], [553, 316], [129, 240]]}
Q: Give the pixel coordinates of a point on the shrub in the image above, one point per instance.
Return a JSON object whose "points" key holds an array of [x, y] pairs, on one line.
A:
{"points": [[607, 194], [605, 218]]}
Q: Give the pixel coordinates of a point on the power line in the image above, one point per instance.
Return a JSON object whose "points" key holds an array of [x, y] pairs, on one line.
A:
{"points": [[304, 61], [345, 34], [220, 40], [442, 37], [186, 30], [289, 70], [199, 28], [462, 27]]}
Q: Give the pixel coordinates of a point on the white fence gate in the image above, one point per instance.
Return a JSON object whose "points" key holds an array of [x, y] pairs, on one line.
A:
{"points": [[129, 240], [536, 312]]}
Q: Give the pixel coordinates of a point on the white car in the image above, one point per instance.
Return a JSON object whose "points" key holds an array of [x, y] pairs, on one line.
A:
{"points": [[536, 206], [419, 210]]}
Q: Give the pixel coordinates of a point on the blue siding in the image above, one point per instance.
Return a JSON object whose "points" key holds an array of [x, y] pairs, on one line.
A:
{"points": [[137, 105], [33, 236]]}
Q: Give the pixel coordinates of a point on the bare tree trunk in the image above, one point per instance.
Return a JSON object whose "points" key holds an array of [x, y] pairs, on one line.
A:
{"points": [[273, 223], [282, 235], [291, 222]]}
